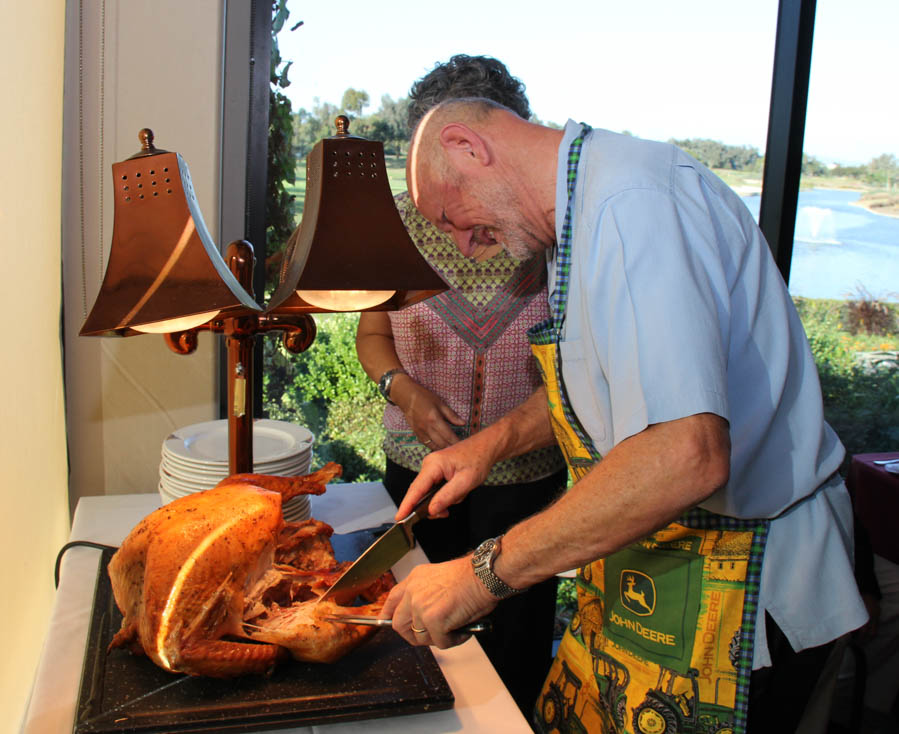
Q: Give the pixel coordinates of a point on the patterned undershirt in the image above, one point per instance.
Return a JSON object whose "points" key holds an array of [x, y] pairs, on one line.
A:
{"points": [[469, 345]]}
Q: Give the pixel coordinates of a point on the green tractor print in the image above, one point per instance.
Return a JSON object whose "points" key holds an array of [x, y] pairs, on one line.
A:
{"points": [[558, 708], [666, 712], [612, 683], [611, 676]]}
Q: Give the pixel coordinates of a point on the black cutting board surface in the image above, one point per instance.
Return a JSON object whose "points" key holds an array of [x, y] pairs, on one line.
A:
{"points": [[121, 692]]}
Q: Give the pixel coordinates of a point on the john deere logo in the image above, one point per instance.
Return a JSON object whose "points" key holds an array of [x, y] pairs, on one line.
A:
{"points": [[638, 593]]}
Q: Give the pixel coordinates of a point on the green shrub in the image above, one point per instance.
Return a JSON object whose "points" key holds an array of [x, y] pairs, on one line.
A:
{"points": [[863, 408], [823, 327], [326, 390], [860, 403], [566, 605]]}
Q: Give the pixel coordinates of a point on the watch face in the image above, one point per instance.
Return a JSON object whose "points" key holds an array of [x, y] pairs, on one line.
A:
{"points": [[483, 552], [384, 385]]}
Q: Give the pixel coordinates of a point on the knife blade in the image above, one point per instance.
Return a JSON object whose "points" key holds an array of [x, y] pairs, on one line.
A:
{"points": [[383, 553], [482, 625]]}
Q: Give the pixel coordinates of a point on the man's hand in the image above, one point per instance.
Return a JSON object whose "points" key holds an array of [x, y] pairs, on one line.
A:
{"points": [[435, 599], [463, 466], [466, 464]]}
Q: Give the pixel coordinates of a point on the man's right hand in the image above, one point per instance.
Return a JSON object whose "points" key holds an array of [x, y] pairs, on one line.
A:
{"points": [[463, 466]]}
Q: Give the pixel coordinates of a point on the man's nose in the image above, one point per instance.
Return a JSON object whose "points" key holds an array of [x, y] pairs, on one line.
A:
{"points": [[462, 238]]}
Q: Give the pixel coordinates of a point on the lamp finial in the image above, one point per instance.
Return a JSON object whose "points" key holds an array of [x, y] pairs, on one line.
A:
{"points": [[146, 140], [146, 144]]}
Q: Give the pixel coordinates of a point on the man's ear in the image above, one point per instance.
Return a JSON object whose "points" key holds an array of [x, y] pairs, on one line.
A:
{"points": [[464, 146]]}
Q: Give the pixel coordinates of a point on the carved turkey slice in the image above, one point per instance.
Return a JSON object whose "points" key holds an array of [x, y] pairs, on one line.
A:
{"points": [[204, 571]]}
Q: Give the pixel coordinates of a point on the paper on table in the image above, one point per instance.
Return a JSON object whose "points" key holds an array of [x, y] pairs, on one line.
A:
{"points": [[892, 468], [356, 507]]}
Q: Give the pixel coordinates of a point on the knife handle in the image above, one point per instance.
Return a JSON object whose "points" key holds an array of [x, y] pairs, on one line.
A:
{"points": [[420, 511], [482, 625]]}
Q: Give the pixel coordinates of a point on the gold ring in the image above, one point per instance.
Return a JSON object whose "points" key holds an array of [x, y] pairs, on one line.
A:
{"points": [[429, 441], [418, 631]]}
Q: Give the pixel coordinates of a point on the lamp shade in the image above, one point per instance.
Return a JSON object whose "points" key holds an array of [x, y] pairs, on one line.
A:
{"points": [[351, 251], [163, 264]]}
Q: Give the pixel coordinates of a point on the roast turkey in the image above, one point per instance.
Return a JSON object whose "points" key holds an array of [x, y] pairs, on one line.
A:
{"points": [[218, 584]]}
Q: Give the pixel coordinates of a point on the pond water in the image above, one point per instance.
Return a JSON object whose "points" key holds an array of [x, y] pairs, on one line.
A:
{"points": [[840, 247]]}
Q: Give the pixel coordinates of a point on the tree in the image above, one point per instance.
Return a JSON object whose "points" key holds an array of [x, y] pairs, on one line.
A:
{"points": [[811, 166], [718, 155], [281, 162], [310, 127], [354, 100], [884, 169], [849, 171], [390, 124]]}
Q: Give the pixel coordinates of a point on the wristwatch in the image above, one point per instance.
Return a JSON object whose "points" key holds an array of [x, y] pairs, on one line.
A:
{"points": [[482, 561], [386, 380]]}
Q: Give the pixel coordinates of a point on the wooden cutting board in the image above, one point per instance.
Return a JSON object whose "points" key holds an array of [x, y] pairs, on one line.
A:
{"points": [[121, 692]]}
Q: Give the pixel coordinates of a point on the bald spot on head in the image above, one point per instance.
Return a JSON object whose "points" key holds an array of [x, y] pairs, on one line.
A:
{"points": [[427, 161]]}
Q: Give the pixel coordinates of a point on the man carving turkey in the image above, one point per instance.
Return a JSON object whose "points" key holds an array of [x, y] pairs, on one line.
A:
{"points": [[680, 386]]}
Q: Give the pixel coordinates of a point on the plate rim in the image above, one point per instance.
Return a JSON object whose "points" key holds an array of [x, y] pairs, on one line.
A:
{"points": [[300, 435]]}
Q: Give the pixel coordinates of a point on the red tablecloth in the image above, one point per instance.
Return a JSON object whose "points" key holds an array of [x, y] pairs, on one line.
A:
{"points": [[875, 492]]}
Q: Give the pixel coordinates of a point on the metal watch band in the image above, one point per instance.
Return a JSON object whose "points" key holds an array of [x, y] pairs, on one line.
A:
{"points": [[386, 380], [482, 561]]}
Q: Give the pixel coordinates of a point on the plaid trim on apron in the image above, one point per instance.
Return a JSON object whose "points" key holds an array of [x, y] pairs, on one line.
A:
{"points": [[663, 638]]}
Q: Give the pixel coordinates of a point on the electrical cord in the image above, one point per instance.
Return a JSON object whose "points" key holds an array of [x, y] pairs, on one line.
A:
{"points": [[72, 544]]}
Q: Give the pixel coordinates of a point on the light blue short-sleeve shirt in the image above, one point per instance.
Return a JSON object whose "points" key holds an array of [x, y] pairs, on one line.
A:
{"points": [[676, 307]]}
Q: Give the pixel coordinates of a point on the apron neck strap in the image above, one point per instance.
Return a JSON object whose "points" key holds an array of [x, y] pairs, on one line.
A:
{"points": [[563, 250]]}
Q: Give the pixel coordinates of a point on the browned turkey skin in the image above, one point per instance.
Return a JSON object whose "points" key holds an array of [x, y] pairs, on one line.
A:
{"points": [[217, 584]]}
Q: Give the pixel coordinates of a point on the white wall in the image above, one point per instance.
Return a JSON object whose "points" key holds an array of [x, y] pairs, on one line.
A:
{"points": [[34, 520], [155, 65], [162, 70]]}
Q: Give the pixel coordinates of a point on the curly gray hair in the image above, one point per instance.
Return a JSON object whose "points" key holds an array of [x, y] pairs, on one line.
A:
{"points": [[467, 76]]}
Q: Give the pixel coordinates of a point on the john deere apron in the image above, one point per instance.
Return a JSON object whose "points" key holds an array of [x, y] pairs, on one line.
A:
{"points": [[662, 640]]}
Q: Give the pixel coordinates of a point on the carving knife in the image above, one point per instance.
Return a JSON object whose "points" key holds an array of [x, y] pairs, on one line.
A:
{"points": [[383, 553]]}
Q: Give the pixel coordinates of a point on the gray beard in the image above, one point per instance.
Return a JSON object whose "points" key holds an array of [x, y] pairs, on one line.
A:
{"points": [[522, 245]]}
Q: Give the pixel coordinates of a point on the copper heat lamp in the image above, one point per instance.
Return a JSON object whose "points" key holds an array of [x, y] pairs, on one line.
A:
{"points": [[351, 252], [165, 274]]}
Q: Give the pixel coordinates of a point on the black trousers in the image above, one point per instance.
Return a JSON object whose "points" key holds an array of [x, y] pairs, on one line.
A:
{"points": [[778, 694], [520, 644]]}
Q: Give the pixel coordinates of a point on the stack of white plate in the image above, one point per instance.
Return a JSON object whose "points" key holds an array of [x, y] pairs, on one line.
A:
{"points": [[195, 458]]}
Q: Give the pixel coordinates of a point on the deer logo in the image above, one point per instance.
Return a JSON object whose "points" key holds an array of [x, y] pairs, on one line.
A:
{"points": [[638, 593]]}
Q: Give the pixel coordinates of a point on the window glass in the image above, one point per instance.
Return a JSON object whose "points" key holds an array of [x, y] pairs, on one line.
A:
{"points": [[697, 72], [660, 70], [845, 268]]}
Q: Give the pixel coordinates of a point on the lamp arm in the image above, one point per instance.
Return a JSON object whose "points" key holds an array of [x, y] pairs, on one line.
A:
{"points": [[185, 342], [298, 329]]}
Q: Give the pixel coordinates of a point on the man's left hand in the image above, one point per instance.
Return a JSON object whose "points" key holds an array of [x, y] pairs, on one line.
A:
{"points": [[435, 599]]}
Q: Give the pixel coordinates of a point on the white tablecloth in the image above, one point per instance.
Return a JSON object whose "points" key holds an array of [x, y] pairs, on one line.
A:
{"points": [[482, 702]]}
